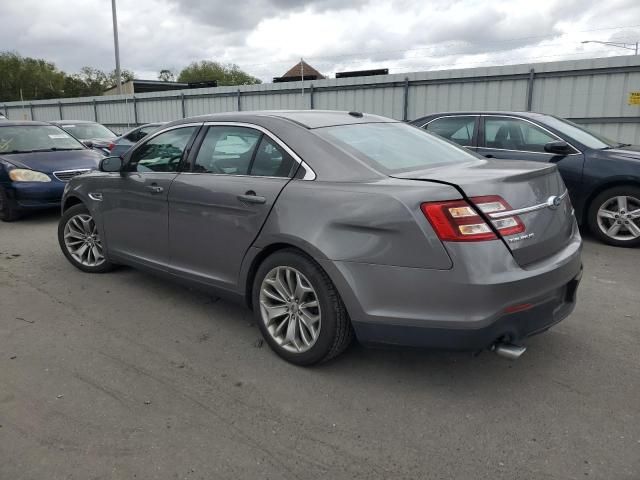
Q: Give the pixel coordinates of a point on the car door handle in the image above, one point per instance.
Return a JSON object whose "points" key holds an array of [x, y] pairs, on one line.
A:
{"points": [[155, 189], [251, 197]]}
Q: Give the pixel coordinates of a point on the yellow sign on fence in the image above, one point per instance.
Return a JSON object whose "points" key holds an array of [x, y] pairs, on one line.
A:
{"points": [[634, 98]]}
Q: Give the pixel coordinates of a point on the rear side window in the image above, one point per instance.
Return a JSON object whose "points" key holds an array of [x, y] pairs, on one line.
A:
{"points": [[456, 129], [394, 147], [271, 160], [227, 150]]}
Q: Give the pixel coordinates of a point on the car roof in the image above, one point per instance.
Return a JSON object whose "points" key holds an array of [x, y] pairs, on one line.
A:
{"points": [[16, 123], [305, 118], [483, 112], [70, 122]]}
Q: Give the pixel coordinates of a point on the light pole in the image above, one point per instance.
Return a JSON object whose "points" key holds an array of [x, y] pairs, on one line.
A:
{"points": [[116, 46], [628, 46]]}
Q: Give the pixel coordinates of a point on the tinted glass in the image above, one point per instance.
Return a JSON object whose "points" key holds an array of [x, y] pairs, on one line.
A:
{"points": [[271, 160], [514, 134], [163, 152], [394, 147], [580, 134], [26, 138], [456, 129], [227, 150], [88, 131]]}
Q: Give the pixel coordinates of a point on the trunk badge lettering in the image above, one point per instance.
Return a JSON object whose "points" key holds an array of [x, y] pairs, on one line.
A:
{"points": [[521, 237]]}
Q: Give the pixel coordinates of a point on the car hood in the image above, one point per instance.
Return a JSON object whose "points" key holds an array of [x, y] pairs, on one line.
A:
{"points": [[630, 152], [49, 162]]}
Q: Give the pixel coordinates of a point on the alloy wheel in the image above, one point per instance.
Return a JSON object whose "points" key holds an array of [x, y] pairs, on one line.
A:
{"points": [[82, 240], [619, 218], [290, 309]]}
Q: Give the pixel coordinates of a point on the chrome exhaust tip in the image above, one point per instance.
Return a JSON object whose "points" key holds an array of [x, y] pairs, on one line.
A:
{"points": [[509, 350]]}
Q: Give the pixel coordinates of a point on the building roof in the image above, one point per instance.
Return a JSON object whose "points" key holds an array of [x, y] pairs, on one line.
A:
{"points": [[301, 70]]}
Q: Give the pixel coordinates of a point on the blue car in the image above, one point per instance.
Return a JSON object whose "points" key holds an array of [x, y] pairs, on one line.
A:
{"points": [[37, 160]]}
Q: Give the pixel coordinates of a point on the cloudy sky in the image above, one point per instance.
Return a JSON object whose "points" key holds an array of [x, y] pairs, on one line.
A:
{"points": [[266, 37]]}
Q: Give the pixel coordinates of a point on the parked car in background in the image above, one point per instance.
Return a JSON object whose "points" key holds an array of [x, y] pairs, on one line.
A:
{"points": [[121, 144], [603, 176], [328, 223], [92, 134], [37, 160]]}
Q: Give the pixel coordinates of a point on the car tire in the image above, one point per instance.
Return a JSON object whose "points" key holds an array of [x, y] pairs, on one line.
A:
{"points": [[333, 331], [8, 208], [606, 216], [76, 230]]}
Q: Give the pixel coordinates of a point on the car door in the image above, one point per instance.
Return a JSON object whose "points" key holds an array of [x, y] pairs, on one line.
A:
{"points": [[135, 201], [218, 208], [514, 138], [461, 129]]}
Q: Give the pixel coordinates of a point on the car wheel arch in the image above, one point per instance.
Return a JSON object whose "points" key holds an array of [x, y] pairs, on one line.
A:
{"points": [[71, 201], [612, 183]]}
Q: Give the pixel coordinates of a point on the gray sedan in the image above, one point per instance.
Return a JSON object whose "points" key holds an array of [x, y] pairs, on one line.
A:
{"points": [[335, 224]]}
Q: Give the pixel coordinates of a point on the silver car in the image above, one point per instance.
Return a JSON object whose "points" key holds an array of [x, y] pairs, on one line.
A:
{"points": [[334, 224]]}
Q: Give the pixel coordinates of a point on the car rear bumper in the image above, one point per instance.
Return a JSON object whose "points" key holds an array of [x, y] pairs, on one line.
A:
{"points": [[465, 308], [35, 195]]}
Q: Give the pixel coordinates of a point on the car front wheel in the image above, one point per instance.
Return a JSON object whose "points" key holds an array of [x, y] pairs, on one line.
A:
{"points": [[614, 216], [80, 240], [299, 310]]}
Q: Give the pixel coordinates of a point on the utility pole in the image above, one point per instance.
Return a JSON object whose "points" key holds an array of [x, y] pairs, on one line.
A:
{"points": [[116, 46], [302, 74]]}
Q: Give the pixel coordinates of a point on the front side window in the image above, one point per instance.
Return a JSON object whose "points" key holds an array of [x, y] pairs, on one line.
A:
{"points": [[394, 147], [163, 152], [227, 150], [30, 138], [515, 134], [271, 160], [457, 129]]}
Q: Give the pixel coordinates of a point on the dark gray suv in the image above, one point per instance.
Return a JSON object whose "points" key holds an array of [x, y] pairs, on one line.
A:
{"points": [[333, 223]]}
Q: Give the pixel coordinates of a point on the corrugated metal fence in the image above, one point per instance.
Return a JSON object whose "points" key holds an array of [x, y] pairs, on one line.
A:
{"points": [[593, 92]]}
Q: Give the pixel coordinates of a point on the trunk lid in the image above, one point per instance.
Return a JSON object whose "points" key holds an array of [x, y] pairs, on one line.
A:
{"points": [[524, 185]]}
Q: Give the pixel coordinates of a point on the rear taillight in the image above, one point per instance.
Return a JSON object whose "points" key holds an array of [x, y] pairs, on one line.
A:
{"points": [[457, 221], [111, 146]]}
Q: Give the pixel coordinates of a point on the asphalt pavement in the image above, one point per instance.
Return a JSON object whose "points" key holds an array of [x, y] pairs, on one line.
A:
{"points": [[127, 376]]}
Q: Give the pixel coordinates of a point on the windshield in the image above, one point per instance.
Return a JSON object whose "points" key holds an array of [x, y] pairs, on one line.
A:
{"points": [[88, 131], [580, 134], [29, 138], [395, 147]]}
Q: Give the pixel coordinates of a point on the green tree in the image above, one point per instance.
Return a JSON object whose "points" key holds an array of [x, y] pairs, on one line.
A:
{"points": [[166, 75], [36, 78], [225, 74]]}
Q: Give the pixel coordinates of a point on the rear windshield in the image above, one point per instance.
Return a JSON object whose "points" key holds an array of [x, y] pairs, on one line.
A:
{"points": [[29, 138], [89, 131], [395, 147]]}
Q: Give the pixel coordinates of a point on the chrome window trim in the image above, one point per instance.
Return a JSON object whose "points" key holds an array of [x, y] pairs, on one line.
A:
{"points": [[578, 151], [309, 173], [533, 208], [450, 116]]}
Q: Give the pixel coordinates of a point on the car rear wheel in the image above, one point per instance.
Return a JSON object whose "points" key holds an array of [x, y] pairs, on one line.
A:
{"points": [[8, 208], [614, 216], [299, 310], [80, 241]]}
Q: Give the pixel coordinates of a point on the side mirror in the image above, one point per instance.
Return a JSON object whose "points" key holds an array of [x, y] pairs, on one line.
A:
{"points": [[87, 143], [559, 148], [111, 164]]}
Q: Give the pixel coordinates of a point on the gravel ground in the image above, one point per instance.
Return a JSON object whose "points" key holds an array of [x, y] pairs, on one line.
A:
{"points": [[125, 375]]}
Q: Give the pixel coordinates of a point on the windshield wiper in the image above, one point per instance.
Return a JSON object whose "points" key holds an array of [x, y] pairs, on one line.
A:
{"points": [[624, 145], [53, 149], [16, 151]]}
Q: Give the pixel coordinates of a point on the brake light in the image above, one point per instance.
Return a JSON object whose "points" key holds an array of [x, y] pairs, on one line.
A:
{"points": [[111, 146], [457, 221]]}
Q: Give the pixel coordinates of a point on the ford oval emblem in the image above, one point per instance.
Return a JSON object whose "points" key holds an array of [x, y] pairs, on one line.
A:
{"points": [[554, 202]]}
